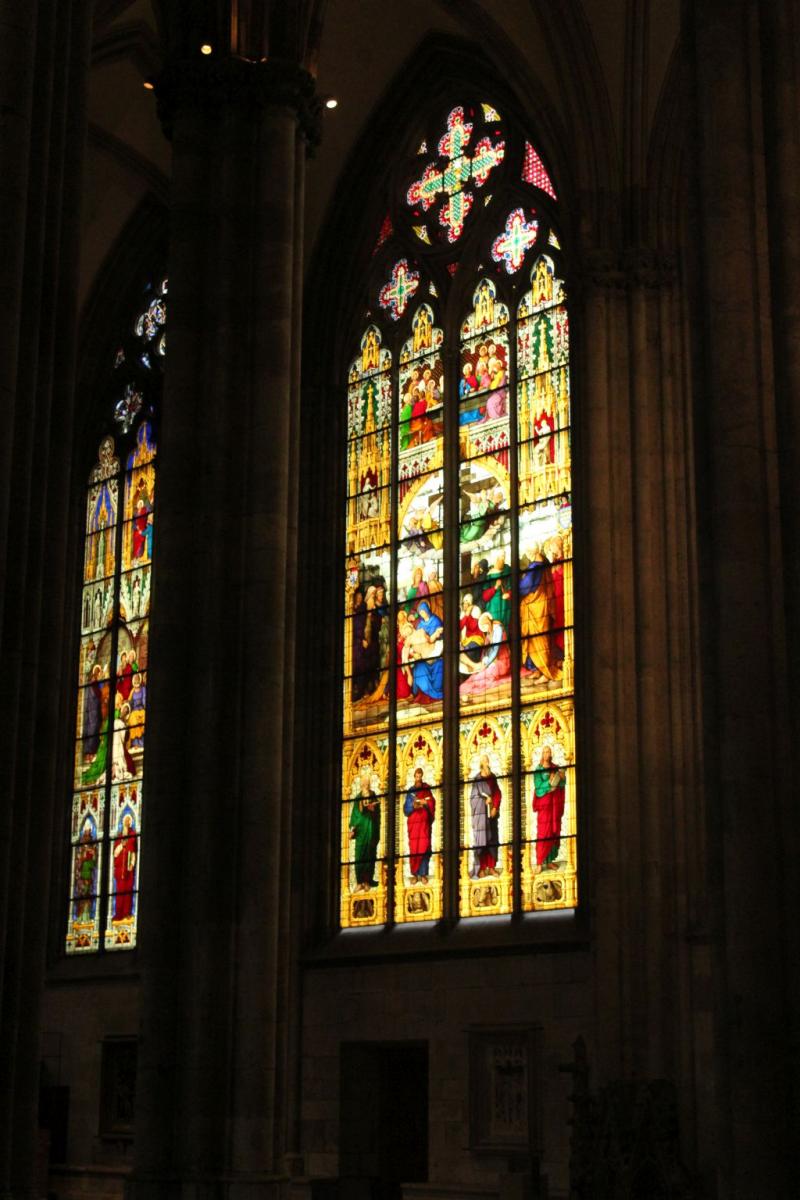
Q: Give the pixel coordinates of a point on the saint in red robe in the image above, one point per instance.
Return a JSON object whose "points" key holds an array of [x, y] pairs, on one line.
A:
{"points": [[124, 873], [420, 819], [548, 804]]}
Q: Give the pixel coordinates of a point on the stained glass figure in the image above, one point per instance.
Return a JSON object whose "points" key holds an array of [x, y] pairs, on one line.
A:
{"points": [[516, 239], [83, 926], [549, 853], [368, 562], [486, 504], [419, 685], [535, 173], [123, 866], [486, 859], [418, 876], [364, 809]]}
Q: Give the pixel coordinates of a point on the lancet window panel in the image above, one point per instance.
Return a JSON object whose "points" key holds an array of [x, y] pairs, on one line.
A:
{"points": [[459, 641], [108, 762]]}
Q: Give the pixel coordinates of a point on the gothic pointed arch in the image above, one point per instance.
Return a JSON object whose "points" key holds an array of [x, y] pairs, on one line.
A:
{"points": [[457, 654], [116, 503]]}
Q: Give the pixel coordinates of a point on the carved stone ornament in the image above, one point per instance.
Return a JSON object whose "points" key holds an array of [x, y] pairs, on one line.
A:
{"points": [[636, 267], [211, 85], [504, 1071], [625, 1139]]}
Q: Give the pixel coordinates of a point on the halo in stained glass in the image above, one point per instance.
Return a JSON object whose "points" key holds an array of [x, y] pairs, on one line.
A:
{"points": [[395, 295], [515, 241]]}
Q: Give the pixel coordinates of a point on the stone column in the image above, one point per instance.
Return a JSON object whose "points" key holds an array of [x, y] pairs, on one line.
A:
{"points": [[751, 806], [780, 24], [43, 70], [215, 909], [641, 746]]}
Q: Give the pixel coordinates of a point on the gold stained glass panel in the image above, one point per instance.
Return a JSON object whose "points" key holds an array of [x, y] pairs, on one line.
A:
{"points": [[547, 735], [364, 808], [419, 823]]}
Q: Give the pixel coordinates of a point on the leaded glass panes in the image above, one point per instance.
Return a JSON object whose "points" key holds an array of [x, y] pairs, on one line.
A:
{"points": [[112, 681], [459, 632], [419, 816]]}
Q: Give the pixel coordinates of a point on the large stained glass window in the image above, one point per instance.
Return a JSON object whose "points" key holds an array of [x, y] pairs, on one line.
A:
{"points": [[111, 709], [458, 767]]}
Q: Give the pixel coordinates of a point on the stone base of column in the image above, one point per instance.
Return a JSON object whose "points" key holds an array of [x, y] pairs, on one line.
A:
{"points": [[224, 1185]]}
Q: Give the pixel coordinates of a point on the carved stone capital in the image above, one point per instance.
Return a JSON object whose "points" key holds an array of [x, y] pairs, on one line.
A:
{"points": [[649, 268], [619, 271], [211, 85]]}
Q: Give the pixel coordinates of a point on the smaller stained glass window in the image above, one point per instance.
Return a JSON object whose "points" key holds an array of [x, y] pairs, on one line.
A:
{"points": [[516, 240], [110, 721], [396, 294]]}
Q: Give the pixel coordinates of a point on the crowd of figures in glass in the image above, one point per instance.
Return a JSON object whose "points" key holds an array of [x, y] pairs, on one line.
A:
{"points": [[111, 710], [458, 567]]}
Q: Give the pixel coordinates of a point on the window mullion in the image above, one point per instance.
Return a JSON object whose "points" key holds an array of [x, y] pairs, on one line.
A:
{"points": [[393, 857], [451, 843], [514, 627]]}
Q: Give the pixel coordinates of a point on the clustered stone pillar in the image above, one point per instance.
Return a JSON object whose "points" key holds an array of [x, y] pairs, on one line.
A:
{"points": [[44, 52], [215, 917], [642, 732], [747, 335]]}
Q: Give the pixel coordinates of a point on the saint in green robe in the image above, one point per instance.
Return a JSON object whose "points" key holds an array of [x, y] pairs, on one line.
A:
{"points": [[365, 832]]}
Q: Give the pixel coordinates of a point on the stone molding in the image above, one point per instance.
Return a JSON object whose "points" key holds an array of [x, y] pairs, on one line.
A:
{"points": [[211, 85]]}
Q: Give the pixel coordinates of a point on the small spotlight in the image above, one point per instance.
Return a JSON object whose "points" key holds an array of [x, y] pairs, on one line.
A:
{"points": [[206, 48], [331, 102], [148, 83]]}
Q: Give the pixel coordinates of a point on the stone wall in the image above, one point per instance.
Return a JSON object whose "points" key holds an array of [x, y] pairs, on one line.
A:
{"points": [[436, 1002], [77, 1017]]}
